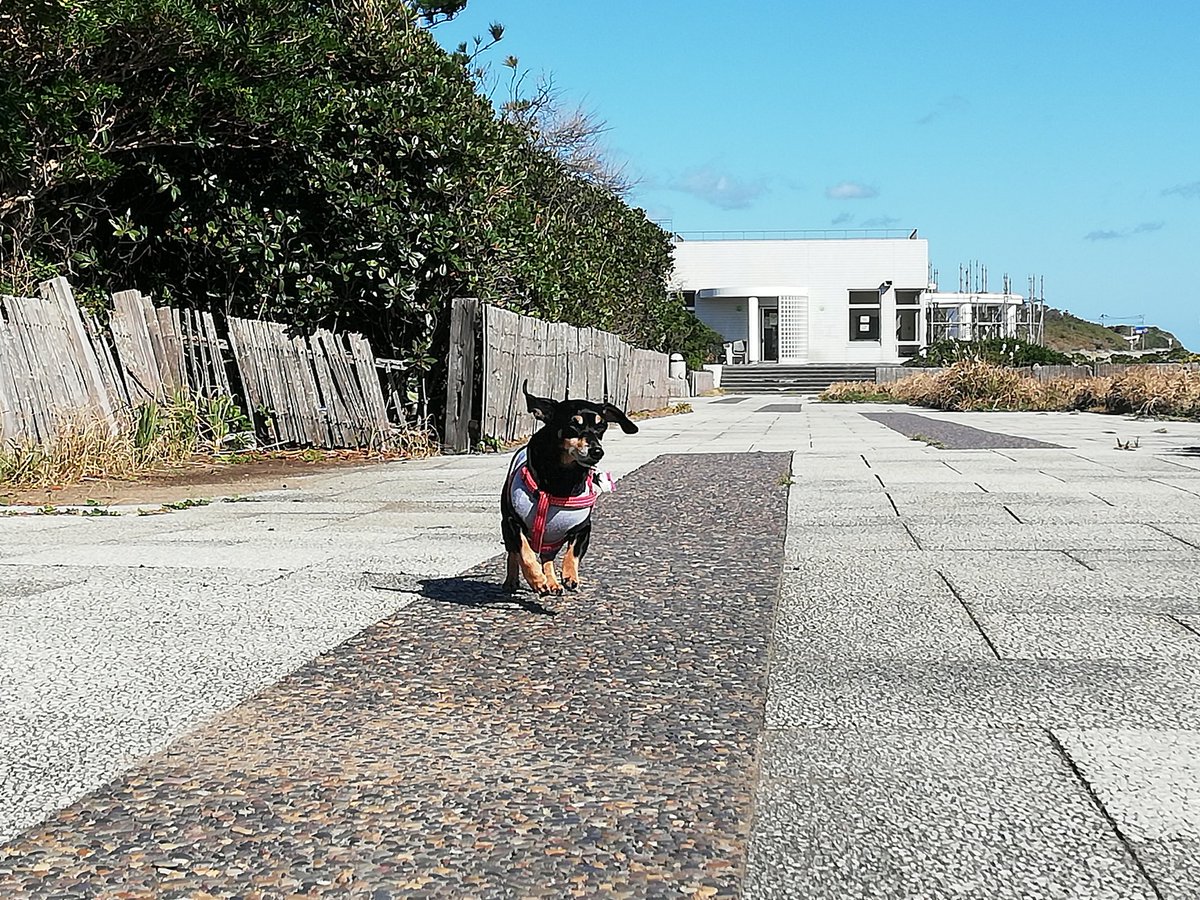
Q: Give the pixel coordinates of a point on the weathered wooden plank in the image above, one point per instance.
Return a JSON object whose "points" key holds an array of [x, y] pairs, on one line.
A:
{"points": [[171, 363], [39, 383], [109, 370], [348, 388], [333, 410], [133, 348], [369, 383], [216, 354], [303, 392], [460, 377], [80, 348], [26, 392], [13, 424]]}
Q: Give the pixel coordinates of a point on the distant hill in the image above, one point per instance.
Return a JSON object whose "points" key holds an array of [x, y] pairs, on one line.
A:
{"points": [[1071, 334]]}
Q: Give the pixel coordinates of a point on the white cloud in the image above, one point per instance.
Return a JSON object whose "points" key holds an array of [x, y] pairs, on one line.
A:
{"points": [[851, 190], [719, 188]]}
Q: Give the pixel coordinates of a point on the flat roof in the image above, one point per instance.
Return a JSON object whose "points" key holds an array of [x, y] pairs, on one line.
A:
{"points": [[814, 234]]}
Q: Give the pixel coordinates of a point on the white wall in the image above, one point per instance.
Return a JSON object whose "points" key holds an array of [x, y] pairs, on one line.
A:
{"points": [[823, 270]]}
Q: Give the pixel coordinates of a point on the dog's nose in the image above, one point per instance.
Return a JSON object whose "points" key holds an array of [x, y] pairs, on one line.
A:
{"points": [[595, 453]]}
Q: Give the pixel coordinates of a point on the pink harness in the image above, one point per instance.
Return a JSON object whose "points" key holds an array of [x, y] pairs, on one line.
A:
{"points": [[543, 504]]}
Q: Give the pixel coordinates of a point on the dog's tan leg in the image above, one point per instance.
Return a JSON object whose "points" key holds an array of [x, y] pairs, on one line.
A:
{"points": [[513, 579], [551, 578], [531, 568], [571, 569]]}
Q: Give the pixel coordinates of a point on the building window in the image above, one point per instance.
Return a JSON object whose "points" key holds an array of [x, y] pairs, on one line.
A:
{"points": [[864, 315], [943, 323], [989, 321], [689, 300], [908, 298], [906, 326]]}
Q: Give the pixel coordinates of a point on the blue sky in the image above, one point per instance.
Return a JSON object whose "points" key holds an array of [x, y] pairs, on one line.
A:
{"points": [[1060, 139]]}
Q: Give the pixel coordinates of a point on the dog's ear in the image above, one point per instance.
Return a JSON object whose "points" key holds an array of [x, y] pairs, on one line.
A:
{"points": [[540, 408], [612, 414]]}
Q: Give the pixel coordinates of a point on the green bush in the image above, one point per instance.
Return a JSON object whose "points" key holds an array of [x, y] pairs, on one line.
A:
{"points": [[321, 164], [998, 351]]}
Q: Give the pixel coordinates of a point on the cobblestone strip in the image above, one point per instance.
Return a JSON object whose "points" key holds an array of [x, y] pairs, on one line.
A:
{"points": [[471, 746], [951, 435]]}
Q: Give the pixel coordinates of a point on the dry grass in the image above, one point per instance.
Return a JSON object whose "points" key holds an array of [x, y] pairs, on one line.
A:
{"points": [[157, 436], [972, 385]]}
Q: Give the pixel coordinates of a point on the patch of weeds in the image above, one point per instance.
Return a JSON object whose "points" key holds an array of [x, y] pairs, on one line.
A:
{"points": [[51, 510], [489, 444], [932, 442], [186, 504], [234, 459], [312, 455], [98, 511], [785, 480], [237, 498]]}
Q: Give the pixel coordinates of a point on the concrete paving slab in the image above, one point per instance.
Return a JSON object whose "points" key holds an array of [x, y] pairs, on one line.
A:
{"points": [[880, 534], [1154, 513], [976, 694], [1187, 533], [1147, 779], [19, 582], [942, 813], [821, 622], [1084, 636], [1018, 536], [1023, 588], [150, 555]]}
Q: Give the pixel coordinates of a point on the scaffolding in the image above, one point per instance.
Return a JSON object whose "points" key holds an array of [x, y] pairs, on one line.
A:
{"points": [[974, 314]]}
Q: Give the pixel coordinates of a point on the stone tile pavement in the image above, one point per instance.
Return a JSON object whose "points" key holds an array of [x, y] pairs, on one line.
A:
{"points": [[982, 683]]}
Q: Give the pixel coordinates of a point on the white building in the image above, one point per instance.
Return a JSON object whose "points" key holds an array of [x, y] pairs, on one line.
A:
{"points": [[818, 300]]}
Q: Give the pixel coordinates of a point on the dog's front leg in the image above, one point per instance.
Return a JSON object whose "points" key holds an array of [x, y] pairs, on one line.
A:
{"points": [[571, 568], [551, 579], [531, 568], [512, 580]]}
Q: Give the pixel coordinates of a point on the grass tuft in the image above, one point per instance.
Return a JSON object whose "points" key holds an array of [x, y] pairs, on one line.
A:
{"points": [[973, 385]]}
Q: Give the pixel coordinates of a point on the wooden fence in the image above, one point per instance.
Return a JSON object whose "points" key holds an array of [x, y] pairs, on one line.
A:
{"points": [[557, 360], [59, 363], [321, 391], [48, 365]]}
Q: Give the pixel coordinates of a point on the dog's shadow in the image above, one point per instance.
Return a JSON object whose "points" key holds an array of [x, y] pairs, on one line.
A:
{"points": [[470, 591]]}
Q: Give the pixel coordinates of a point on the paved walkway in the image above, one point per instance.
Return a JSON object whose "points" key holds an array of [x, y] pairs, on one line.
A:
{"points": [[980, 681]]}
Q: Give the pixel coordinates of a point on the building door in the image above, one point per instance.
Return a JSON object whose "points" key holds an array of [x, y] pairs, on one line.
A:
{"points": [[770, 334]]}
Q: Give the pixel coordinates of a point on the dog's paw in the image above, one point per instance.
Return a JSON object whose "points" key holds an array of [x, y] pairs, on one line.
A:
{"points": [[570, 584], [511, 587]]}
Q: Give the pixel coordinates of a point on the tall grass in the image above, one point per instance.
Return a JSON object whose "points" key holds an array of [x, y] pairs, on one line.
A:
{"points": [[149, 437], [973, 385]]}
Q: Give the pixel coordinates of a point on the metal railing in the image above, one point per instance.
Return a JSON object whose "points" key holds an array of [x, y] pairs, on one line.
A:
{"points": [[814, 234]]}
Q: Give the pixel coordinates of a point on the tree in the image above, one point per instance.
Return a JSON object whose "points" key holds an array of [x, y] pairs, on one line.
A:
{"points": [[325, 165]]}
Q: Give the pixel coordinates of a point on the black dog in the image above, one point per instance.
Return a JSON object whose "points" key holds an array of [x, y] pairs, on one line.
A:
{"points": [[551, 488]]}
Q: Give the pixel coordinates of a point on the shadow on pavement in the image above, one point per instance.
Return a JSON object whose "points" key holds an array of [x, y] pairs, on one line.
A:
{"points": [[479, 592]]}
